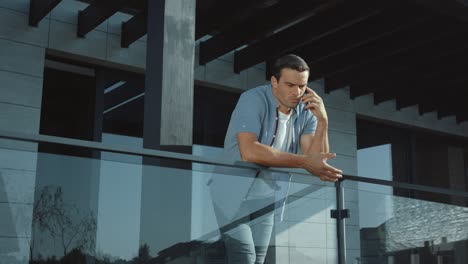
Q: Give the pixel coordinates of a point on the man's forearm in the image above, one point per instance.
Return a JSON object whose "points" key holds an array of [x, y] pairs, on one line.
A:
{"points": [[320, 143], [326, 146], [314, 162], [268, 156]]}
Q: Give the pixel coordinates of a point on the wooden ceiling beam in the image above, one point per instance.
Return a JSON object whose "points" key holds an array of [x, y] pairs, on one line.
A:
{"points": [[404, 63], [38, 9], [96, 13], [326, 22], [219, 15], [134, 29], [264, 23]]}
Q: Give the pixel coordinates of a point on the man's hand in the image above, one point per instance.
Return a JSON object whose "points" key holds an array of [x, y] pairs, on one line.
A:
{"points": [[316, 163], [314, 103]]}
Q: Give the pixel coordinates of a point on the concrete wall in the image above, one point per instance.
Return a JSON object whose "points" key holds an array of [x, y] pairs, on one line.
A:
{"points": [[22, 51], [101, 43]]}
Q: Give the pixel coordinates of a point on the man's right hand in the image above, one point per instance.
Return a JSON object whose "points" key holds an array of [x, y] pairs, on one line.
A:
{"points": [[316, 163]]}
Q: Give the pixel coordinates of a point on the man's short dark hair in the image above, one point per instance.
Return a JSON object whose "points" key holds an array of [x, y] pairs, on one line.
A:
{"points": [[289, 61]]}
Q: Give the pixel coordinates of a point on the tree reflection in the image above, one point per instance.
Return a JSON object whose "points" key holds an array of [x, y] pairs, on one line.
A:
{"points": [[64, 223], [64, 234]]}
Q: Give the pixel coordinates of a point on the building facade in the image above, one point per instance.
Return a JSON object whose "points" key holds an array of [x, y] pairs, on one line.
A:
{"points": [[57, 201]]}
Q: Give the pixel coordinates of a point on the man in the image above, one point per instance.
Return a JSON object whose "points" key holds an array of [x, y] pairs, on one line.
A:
{"points": [[284, 124]]}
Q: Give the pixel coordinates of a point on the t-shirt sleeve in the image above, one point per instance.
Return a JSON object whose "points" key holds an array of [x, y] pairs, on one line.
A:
{"points": [[246, 116], [311, 124]]}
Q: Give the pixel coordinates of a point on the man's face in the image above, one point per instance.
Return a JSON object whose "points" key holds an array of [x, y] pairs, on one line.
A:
{"points": [[290, 88]]}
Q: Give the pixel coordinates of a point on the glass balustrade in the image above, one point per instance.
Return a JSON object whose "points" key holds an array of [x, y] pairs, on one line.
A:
{"points": [[413, 227], [94, 204]]}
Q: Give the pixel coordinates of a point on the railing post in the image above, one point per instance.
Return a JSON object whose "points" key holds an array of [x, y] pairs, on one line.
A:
{"points": [[340, 224]]}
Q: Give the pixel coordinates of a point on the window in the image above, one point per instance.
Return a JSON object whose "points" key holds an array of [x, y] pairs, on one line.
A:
{"points": [[68, 106], [419, 157], [211, 115]]}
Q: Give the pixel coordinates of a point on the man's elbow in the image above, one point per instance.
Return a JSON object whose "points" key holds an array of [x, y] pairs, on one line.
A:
{"points": [[246, 156]]}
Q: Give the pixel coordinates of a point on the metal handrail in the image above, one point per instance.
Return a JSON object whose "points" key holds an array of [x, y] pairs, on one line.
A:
{"points": [[407, 186], [39, 138]]}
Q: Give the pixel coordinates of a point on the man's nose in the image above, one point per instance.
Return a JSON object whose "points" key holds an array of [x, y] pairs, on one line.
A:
{"points": [[297, 92]]}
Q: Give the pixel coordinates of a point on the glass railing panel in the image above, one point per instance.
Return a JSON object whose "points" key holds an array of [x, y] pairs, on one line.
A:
{"points": [[307, 221], [303, 230], [386, 228], [17, 179], [118, 209], [351, 204]]}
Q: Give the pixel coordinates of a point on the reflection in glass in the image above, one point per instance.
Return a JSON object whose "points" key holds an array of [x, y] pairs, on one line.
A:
{"points": [[413, 230], [8, 236]]}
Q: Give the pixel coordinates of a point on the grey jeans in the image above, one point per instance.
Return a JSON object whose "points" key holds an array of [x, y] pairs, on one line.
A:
{"points": [[248, 242]]}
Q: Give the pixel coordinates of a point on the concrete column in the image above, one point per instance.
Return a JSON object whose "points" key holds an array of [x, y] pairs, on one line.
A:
{"points": [[168, 113], [169, 73]]}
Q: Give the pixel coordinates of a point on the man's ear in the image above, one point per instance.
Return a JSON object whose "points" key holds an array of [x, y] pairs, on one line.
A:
{"points": [[274, 81]]}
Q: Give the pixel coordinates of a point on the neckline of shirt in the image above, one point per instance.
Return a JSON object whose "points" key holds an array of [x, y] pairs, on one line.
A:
{"points": [[283, 116]]}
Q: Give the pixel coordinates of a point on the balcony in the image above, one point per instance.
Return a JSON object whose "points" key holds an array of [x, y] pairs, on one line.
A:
{"points": [[124, 204]]}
